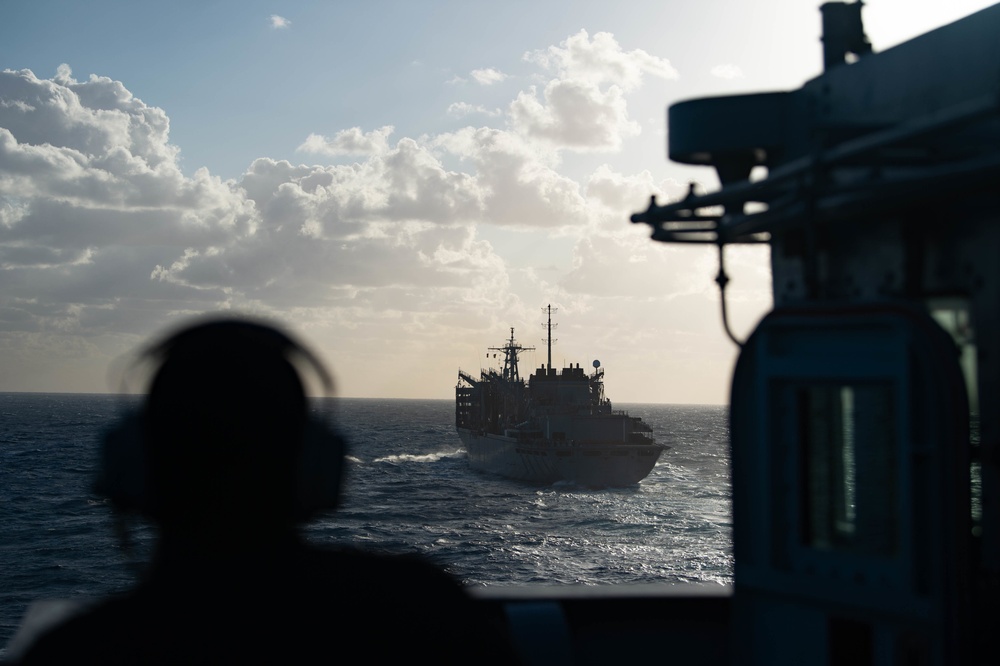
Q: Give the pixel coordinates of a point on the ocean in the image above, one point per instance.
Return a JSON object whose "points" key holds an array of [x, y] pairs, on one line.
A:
{"points": [[409, 490]]}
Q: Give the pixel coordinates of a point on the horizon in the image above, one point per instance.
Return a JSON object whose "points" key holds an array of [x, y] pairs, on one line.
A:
{"points": [[354, 397]]}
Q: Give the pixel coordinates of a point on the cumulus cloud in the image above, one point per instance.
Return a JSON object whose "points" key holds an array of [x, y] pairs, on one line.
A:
{"points": [[574, 114], [91, 199], [584, 108], [523, 188], [98, 223], [351, 141], [279, 22], [487, 77], [90, 117], [601, 60], [727, 71]]}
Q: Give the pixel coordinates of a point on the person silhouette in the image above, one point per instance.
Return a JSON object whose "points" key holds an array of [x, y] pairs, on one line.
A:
{"points": [[225, 459]]}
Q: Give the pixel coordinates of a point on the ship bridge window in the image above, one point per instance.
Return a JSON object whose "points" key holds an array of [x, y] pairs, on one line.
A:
{"points": [[848, 456], [849, 451]]}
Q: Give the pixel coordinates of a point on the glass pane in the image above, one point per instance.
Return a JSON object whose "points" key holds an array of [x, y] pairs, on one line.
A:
{"points": [[848, 454]]}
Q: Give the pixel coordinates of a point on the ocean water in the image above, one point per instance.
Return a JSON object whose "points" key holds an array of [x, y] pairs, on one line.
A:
{"points": [[409, 489]]}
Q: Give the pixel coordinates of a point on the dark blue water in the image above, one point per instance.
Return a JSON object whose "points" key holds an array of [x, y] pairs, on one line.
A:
{"points": [[409, 490]]}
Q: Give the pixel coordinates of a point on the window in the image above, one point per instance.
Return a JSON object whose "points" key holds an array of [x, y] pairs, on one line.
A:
{"points": [[848, 456]]}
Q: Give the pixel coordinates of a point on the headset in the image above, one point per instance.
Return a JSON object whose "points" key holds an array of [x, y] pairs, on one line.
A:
{"points": [[124, 472]]}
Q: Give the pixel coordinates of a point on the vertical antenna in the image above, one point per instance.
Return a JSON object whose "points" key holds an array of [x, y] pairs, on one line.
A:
{"points": [[548, 327]]}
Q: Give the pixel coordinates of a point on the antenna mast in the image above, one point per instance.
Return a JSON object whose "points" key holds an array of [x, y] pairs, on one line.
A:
{"points": [[510, 351], [548, 327]]}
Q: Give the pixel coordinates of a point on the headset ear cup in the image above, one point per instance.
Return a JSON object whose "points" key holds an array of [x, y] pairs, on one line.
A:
{"points": [[122, 475], [122, 472], [321, 469]]}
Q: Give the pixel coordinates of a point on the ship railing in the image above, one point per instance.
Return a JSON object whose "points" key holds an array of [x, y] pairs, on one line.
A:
{"points": [[464, 376]]}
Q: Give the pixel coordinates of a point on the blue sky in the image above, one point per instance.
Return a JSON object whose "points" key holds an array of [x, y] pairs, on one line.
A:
{"points": [[398, 182]]}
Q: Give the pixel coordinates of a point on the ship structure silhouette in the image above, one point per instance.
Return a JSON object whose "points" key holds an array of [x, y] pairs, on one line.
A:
{"points": [[556, 426], [865, 406]]}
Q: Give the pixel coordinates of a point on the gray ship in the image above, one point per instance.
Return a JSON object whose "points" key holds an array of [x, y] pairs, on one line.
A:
{"points": [[556, 426]]}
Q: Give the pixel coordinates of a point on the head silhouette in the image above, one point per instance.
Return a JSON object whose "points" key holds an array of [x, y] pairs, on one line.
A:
{"points": [[228, 446]]}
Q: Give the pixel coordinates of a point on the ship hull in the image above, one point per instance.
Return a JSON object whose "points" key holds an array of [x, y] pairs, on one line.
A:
{"points": [[543, 461]]}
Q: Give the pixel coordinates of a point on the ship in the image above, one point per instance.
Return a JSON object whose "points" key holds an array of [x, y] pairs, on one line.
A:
{"points": [[557, 426]]}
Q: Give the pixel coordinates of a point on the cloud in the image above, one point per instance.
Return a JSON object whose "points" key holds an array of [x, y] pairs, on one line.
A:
{"points": [[279, 22], [104, 239], [584, 108], [351, 141], [727, 71], [98, 223], [487, 77], [462, 109], [90, 117], [91, 199], [601, 60], [574, 114], [522, 188], [618, 195], [614, 266]]}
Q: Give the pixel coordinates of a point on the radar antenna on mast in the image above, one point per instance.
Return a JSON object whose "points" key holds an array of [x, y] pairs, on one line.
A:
{"points": [[510, 350], [548, 328]]}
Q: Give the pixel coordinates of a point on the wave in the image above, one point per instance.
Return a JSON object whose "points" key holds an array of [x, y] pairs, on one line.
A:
{"points": [[420, 457]]}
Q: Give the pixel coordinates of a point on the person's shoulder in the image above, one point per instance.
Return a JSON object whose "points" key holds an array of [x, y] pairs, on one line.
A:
{"points": [[382, 571], [95, 630], [285, 614], [428, 610]]}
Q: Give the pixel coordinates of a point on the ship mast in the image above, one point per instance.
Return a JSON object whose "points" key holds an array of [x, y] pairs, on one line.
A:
{"points": [[510, 351], [548, 338]]}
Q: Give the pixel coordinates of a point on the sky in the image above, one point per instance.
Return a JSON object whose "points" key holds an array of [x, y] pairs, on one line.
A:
{"points": [[397, 183]]}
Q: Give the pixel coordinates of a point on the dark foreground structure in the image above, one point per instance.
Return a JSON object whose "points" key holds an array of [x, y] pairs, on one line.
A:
{"points": [[865, 408]]}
